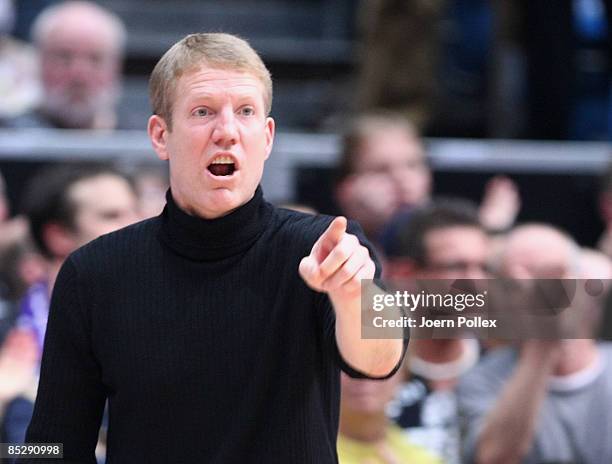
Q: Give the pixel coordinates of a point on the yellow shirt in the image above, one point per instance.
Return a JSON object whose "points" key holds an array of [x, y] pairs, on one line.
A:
{"points": [[396, 449]]}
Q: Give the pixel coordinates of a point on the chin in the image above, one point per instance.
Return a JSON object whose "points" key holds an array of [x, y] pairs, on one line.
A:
{"points": [[225, 201]]}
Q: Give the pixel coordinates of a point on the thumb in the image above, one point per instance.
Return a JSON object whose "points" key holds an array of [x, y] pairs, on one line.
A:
{"points": [[309, 270]]}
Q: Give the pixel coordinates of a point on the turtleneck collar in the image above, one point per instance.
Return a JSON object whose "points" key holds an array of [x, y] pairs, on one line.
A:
{"points": [[201, 239]]}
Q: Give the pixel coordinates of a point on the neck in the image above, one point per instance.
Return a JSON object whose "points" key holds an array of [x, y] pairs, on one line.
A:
{"points": [[201, 239], [577, 354], [363, 427]]}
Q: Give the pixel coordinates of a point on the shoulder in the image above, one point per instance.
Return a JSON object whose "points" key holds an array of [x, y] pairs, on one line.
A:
{"points": [[31, 119], [605, 348], [491, 371], [113, 249], [301, 231], [309, 227]]}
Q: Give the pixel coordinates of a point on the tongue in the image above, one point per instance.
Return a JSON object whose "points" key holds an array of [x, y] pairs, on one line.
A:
{"points": [[221, 169]]}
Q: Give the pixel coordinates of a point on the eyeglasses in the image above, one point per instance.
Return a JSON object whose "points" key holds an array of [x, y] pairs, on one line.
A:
{"points": [[461, 267]]}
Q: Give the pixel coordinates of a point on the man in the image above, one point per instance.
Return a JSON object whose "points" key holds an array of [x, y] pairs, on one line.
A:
{"points": [[66, 207], [19, 90], [383, 169], [18, 361], [366, 433], [216, 329], [542, 401], [81, 46], [17, 364], [444, 240], [384, 172], [605, 211]]}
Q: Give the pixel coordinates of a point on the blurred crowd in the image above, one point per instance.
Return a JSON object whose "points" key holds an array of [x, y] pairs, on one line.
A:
{"points": [[459, 400]]}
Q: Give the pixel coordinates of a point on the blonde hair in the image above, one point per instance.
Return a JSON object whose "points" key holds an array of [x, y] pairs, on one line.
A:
{"points": [[217, 50]]}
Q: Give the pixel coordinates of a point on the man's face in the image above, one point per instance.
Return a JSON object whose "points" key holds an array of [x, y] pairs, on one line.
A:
{"points": [[458, 252], [219, 141], [80, 71], [398, 155], [367, 396], [537, 254], [104, 204]]}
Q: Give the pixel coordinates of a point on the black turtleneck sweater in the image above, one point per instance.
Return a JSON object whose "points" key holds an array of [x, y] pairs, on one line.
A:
{"points": [[208, 345]]}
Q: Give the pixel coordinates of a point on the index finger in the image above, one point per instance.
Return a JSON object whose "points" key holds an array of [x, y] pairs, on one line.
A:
{"points": [[330, 238], [334, 231]]}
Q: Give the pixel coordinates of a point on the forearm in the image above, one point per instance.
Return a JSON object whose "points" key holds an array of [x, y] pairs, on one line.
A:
{"points": [[508, 430], [375, 357]]}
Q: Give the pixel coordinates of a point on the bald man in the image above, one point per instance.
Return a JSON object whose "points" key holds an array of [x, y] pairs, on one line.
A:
{"points": [[541, 401], [81, 48]]}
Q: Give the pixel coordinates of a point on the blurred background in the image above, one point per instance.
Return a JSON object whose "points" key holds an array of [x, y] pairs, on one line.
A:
{"points": [[510, 101], [472, 74]]}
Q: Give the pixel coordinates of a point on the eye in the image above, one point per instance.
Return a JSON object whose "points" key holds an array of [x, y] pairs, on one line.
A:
{"points": [[247, 111], [201, 112]]}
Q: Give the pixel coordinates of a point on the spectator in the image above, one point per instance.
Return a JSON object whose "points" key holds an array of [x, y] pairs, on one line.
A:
{"points": [[605, 211], [11, 230], [19, 88], [150, 183], [20, 265], [541, 401], [366, 435], [68, 206], [81, 46], [17, 374], [383, 168], [444, 240], [399, 66]]}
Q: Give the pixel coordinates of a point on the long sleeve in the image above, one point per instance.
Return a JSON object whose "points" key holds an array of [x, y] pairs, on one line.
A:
{"points": [[71, 395], [329, 323]]}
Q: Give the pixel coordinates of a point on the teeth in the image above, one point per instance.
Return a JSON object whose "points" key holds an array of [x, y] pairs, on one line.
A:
{"points": [[223, 160]]}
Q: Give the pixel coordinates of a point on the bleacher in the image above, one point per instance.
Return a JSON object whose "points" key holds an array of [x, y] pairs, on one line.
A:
{"points": [[557, 180], [307, 44], [311, 48]]}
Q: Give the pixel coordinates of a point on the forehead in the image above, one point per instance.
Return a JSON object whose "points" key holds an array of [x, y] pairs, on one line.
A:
{"points": [[75, 30], [534, 253], [104, 190], [389, 145], [456, 242], [209, 82]]}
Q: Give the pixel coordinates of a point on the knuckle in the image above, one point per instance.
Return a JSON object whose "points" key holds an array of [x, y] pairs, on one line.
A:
{"points": [[342, 253], [363, 251], [344, 273]]}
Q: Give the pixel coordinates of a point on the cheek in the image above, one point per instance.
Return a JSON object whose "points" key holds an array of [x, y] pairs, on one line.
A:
{"points": [[103, 77], [53, 75]]}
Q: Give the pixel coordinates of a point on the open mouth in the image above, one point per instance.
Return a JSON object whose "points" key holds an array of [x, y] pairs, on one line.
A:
{"points": [[222, 166]]}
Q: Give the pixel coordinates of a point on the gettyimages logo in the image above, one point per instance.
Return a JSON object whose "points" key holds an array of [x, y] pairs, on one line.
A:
{"points": [[485, 308]]}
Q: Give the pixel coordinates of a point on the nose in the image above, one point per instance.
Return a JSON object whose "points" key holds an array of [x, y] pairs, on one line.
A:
{"points": [[79, 67], [225, 133]]}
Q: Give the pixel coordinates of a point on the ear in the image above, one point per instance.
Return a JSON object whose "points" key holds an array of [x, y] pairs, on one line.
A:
{"points": [[158, 133], [270, 128], [60, 241]]}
